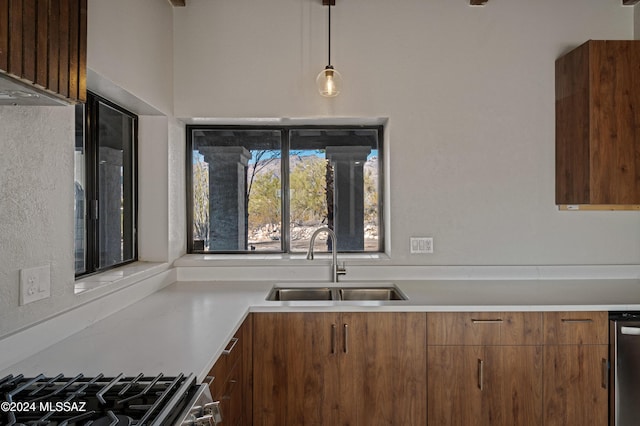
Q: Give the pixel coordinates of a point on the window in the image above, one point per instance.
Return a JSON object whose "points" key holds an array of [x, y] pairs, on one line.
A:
{"points": [[105, 186], [267, 189]]}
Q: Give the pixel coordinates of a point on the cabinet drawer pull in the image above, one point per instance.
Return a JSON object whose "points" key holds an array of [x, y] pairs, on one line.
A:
{"points": [[231, 384], [480, 374], [346, 338], [605, 373], [487, 321], [576, 320], [233, 342], [333, 339]]}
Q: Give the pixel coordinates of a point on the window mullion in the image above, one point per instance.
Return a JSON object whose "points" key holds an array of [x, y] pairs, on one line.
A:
{"points": [[284, 197]]}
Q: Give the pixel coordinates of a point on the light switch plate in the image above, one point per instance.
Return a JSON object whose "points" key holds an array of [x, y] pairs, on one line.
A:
{"points": [[35, 284], [421, 245]]}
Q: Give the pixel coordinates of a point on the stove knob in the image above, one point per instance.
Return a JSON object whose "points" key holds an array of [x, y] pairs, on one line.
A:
{"points": [[207, 420], [213, 409], [189, 421], [196, 411]]}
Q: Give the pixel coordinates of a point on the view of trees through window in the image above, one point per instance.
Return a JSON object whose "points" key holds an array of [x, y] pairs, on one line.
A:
{"points": [[330, 177]]}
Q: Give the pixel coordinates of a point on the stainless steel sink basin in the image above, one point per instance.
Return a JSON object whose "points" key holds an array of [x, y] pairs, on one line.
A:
{"points": [[368, 293], [371, 293], [293, 294]]}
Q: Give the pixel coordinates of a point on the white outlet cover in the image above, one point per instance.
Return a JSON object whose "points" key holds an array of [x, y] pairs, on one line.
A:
{"points": [[35, 284]]}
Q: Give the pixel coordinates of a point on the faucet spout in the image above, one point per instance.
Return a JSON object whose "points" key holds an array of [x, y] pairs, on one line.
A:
{"points": [[335, 269]]}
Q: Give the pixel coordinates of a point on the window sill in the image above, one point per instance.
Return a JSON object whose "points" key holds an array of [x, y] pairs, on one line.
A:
{"points": [[283, 259], [124, 275]]}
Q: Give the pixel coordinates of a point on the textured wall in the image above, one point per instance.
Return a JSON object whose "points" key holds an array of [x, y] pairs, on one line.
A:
{"points": [[130, 46], [36, 207], [469, 94]]}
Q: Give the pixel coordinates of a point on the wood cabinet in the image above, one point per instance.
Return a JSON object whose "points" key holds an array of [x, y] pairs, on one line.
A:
{"points": [[597, 132], [484, 368], [45, 43], [576, 368], [339, 368], [231, 374]]}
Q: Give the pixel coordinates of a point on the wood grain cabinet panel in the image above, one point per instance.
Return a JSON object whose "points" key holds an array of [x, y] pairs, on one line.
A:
{"points": [[485, 385], [484, 328], [576, 368], [597, 136], [576, 328], [484, 368], [232, 382], [339, 368], [44, 42]]}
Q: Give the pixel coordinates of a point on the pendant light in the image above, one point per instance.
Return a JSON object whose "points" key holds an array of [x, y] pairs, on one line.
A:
{"points": [[329, 81]]}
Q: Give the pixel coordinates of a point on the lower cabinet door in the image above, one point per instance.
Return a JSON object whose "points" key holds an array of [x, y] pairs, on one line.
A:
{"points": [[484, 385], [383, 368], [295, 369], [350, 369], [575, 385], [454, 394]]}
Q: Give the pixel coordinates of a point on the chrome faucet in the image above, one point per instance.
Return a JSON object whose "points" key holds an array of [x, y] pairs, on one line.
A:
{"points": [[335, 269]]}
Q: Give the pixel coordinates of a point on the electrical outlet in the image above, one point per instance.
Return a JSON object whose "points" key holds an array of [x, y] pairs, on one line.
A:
{"points": [[421, 245], [35, 284]]}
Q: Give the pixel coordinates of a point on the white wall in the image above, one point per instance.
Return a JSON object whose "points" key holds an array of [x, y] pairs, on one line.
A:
{"points": [[130, 61], [469, 93], [130, 43]]}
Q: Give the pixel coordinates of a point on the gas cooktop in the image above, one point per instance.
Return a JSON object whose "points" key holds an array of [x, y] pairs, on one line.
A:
{"points": [[96, 401]]}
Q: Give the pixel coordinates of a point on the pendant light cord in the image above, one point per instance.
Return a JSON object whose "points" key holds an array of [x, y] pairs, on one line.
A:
{"points": [[329, 6]]}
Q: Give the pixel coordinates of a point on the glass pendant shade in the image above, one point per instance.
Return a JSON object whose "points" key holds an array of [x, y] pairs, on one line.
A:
{"points": [[329, 82]]}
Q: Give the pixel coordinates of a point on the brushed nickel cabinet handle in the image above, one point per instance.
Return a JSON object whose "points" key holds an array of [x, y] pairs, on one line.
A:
{"points": [[233, 342], [605, 373], [346, 338], [487, 321], [480, 374], [576, 320], [333, 339]]}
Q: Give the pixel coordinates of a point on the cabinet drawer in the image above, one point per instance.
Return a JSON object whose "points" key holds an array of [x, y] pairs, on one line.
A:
{"points": [[223, 367], [484, 328], [576, 328]]}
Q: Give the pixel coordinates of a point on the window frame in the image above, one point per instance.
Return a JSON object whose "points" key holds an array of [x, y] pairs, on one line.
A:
{"points": [[285, 131], [92, 187]]}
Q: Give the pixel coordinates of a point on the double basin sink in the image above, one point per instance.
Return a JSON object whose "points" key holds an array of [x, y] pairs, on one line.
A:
{"points": [[290, 294]]}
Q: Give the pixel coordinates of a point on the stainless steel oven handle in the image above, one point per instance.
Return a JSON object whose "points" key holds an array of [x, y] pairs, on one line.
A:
{"points": [[630, 331]]}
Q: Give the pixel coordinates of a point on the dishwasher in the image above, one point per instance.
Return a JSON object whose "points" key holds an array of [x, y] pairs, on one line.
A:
{"points": [[624, 347]]}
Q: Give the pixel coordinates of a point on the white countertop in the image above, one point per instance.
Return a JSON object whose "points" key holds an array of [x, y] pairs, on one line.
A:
{"points": [[185, 326]]}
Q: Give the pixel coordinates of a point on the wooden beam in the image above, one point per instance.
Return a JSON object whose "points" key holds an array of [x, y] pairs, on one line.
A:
{"points": [[629, 2], [178, 3], [482, 2]]}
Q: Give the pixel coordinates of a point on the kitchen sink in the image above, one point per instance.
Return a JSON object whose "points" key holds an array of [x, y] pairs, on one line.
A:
{"points": [[293, 294], [371, 293], [360, 293]]}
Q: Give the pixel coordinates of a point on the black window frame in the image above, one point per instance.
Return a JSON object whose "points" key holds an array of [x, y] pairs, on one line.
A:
{"points": [[285, 131], [91, 140]]}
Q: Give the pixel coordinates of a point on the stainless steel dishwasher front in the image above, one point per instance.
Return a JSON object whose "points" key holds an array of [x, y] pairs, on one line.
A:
{"points": [[624, 341]]}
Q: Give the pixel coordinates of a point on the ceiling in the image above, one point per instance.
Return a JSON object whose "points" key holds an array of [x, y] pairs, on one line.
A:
{"points": [[182, 3]]}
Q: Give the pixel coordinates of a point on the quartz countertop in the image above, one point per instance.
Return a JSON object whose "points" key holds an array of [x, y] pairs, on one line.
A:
{"points": [[185, 326]]}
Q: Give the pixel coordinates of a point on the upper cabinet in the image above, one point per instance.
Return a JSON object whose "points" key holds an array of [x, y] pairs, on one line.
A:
{"points": [[598, 126], [44, 43]]}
